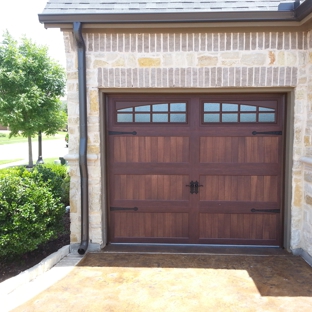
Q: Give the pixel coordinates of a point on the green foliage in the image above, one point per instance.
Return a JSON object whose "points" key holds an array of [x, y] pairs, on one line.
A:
{"points": [[65, 191], [31, 85], [59, 170], [2, 135], [29, 215], [31, 206]]}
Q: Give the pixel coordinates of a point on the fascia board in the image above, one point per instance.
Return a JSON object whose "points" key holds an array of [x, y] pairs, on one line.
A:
{"points": [[195, 17], [303, 10]]}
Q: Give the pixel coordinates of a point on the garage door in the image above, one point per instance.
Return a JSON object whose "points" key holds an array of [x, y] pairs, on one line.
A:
{"points": [[204, 169]]}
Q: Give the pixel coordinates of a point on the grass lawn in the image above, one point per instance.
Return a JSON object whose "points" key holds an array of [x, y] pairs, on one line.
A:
{"points": [[50, 160], [20, 139], [3, 162]]}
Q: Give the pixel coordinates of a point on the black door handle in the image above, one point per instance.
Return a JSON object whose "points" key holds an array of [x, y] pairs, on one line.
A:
{"points": [[196, 186], [191, 186]]}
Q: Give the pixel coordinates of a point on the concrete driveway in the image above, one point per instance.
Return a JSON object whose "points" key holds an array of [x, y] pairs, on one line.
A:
{"points": [[180, 282]]}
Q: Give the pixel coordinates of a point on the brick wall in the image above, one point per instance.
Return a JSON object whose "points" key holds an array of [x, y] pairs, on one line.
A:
{"points": [[190, 60]]}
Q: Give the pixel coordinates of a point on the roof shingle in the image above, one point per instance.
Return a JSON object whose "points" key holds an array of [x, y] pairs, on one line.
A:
{"points": [[161, 6]]}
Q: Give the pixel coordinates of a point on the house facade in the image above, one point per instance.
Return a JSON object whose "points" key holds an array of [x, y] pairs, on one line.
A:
{"points": [[189, 122]]}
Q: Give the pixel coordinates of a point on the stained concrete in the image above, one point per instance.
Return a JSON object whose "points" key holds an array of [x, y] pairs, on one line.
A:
{"points": [[180, 282]]}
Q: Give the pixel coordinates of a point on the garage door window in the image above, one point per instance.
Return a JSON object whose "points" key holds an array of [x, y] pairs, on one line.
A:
{"points": [[155, 113], [237, 113]]}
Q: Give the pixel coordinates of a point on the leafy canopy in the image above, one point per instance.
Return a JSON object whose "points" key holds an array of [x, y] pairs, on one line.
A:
{"points": [[31, 85]]}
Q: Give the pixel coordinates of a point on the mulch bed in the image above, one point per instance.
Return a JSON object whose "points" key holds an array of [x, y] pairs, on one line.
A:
{"points": [[19, 264]]}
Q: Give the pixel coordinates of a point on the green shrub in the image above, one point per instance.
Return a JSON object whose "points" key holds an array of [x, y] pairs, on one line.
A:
{"points": [[65, 191], [31, 206], [58, 169], [30, 214], [56, 177], [51, 179], [2, 135]]}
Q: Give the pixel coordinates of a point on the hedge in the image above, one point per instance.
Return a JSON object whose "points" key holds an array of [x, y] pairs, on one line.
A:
{"points": [[31, 207]]}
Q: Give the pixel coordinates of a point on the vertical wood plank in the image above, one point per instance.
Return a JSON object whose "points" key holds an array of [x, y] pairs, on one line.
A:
{"points": [[179, 149]]}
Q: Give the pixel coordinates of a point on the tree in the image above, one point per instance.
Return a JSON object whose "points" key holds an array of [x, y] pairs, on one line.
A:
{"points": [[31, 85]]}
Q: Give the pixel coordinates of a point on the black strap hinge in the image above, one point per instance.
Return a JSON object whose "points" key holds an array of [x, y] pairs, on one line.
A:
{"points": [[121, 132], [268, 132], [123, 208], [266, 210]]}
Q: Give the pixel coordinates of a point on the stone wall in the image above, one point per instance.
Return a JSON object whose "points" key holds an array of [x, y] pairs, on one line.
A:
{"points": [[200, 60], [306, 213]]}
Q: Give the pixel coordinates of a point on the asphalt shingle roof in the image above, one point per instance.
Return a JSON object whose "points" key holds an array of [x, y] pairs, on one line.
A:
{"points": [[161, 6]]}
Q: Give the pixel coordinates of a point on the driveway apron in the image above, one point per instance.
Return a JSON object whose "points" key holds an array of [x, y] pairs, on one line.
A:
{"points": [[180, 282]]}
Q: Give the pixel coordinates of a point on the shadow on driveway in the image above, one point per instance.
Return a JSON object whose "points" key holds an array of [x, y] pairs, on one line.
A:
{"points": [[171, 282]]}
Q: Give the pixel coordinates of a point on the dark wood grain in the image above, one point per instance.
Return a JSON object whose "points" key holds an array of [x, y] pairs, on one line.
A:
{"points": [[237, 170]]}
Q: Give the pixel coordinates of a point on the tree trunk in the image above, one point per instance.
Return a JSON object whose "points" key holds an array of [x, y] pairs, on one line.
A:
{"points": [[30, 156]]}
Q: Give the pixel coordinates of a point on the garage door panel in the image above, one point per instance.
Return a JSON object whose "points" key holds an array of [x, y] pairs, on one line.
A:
{"points": [[238, 188], [151, 205], [241, 169], [238, 226], [217, 206], [151, 187], [151, 149], [239, 149], [195, 169], [151, 225], [161, 169]]}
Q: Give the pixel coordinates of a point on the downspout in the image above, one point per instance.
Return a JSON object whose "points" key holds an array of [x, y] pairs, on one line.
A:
{"points": [[77, 27]]}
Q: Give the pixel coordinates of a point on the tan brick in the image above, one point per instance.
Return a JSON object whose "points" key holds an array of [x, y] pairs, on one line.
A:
{"points": [[307, 140], [72, 75], [230, 55], [206, 60], [253, 59], [280, 58], [120, 62], [302, 80], [272, 58], [73, 121], [73, 206], [149, 62], [310, 57], [308, 176], [308, 199], [168, 59], [94, 101], [93, 149], [131, 60], [298, 195], [290, 58], [300, 94], [99, 63], [190, 59], [229, 63], [73, 238]]}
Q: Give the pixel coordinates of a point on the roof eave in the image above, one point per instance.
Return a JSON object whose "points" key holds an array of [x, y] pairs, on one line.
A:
{"points": [[303, 10], [190, 17]]}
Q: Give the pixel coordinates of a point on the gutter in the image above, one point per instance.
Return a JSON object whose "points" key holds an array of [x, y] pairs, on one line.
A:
{"points": [[303, 10], [171, 17], [77, 30]]}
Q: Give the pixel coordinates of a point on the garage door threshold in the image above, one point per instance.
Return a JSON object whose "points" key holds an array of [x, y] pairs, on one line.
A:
{"points": [[194, 249]]}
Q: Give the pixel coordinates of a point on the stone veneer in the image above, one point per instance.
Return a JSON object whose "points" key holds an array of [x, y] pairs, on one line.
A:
{"points": [[176, 59]]}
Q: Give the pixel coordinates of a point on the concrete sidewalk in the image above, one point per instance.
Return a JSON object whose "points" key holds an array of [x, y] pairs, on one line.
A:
{"points": [[179, 282]]}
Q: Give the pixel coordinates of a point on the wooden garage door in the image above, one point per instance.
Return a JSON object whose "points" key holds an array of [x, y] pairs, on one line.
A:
{"points": [[195, 169]]}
